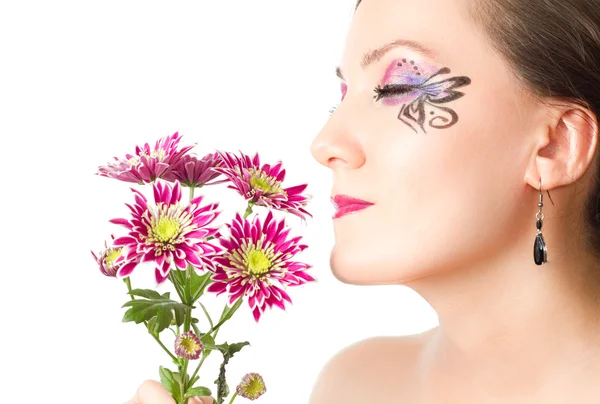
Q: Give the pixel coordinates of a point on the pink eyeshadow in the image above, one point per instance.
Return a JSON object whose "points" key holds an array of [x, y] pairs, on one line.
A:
{"points": [[344, 90], [406, 71]]}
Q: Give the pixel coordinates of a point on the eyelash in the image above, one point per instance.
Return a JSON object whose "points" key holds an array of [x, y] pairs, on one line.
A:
{"points": [[390, 90]]}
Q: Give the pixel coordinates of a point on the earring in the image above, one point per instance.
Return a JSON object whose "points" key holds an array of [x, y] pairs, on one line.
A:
{"points": [[540, 253]]}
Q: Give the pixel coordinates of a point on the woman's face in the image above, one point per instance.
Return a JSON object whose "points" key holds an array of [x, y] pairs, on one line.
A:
{"points": [[432, 129]]}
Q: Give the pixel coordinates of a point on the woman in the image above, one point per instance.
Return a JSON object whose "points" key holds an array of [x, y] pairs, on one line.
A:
{"points": [[457, 118]]}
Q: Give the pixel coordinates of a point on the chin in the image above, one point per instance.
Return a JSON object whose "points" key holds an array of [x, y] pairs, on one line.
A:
{"points": [[357, 267]]}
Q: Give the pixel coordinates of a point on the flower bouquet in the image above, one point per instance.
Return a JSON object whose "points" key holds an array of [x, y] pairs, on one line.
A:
{"points": [[247, 258]]}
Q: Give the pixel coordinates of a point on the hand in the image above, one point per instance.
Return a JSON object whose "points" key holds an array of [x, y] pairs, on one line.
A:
{"points": [[152, 392]]}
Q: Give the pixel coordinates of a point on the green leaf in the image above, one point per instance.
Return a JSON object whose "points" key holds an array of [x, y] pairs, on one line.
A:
{"points": [[198, 284], [161, 307], [230, 311], [234, 348], [197, 392], [194, 380], [214, 347], [197, 330], [194, 320], [146, 293], [224, 348], [179, 276], [170, 384], [178, 379], [207, 339], [153, 326], [180, 317]]}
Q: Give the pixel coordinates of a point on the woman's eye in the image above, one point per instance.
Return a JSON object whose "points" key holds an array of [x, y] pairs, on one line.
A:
{"points": [[390, 90]]}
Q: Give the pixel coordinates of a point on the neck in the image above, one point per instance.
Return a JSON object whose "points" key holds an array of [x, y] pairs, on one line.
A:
{"points": [[511, 325]]}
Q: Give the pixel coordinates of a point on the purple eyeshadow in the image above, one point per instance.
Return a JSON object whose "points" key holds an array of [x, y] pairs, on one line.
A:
{"points": [[406, 71]]}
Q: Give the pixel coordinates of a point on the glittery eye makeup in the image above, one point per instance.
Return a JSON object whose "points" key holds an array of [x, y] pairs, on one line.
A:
{"points": [[418, 89]]}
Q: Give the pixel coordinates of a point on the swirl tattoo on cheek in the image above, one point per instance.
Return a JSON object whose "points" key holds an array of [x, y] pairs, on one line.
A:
{"points": [[414, 87]]}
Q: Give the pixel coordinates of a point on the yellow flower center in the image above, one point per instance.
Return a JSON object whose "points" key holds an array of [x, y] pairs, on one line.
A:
{"points": [[134, 161], [111, 256], [160, 154], [261, 184], [189, 345], [166, 229], [258, 262], [254, 387], [267, 184]]}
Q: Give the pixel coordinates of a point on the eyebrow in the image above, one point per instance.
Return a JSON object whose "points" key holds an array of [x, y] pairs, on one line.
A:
{"points": [[377, 54]]}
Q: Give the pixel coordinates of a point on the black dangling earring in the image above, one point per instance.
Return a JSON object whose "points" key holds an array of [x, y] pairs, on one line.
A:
{"points": [[540, 253]]}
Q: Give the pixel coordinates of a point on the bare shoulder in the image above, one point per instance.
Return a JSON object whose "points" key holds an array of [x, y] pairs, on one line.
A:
{"points": [[370, 370]]}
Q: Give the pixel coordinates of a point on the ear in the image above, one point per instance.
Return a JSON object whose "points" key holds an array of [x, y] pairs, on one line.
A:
{"points": [[568, 140]]}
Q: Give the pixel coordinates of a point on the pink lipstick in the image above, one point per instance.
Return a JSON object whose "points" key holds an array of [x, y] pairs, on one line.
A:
{"points": [[345, 204]]}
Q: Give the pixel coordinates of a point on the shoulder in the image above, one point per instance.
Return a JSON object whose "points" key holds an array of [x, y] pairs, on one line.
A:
{"points": [[369, 369]]}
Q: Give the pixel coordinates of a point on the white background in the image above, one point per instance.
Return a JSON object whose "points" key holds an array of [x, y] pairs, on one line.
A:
{"points": [[83, 81]]}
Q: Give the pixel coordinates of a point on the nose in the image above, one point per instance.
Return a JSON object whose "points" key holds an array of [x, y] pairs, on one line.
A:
{"points": [[336, 146]]}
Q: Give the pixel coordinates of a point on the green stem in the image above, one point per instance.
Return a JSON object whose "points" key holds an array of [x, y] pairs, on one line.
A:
{"points": [[165, 348], [174, 281], [188, 311], [216, 332], [213, 329], [183, 377], [128, 283], [198, 367], [214, 336], [233, 397], [216, 326], [222, 320]]}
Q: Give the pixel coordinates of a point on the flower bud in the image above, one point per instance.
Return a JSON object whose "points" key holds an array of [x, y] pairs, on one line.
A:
{"points": [[251, 387], [188, 345], [106, 260]]}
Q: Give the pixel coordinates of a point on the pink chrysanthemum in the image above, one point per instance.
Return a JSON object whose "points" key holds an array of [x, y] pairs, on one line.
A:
{"points": [[194, 172], [188, 345], [106, 259], [251, 387], [167, 232], [257, 257], [147, 164], [263, 184]]}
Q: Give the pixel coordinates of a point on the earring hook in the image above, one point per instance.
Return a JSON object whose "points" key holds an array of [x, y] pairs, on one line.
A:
{"points": [[548, 191]]}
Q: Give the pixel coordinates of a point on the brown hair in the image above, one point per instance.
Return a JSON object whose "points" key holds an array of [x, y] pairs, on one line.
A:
{"points": [[553, 47]]}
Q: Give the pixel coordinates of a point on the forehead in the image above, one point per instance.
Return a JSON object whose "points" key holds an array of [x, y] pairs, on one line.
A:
{"points": [[443, 26]]}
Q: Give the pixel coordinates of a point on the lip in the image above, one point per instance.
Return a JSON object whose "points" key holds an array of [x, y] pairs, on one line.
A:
{"points": [[345, 204]]}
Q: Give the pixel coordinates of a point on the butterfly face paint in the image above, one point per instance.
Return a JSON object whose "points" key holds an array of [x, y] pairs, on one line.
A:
{"points": [[419, 89]]}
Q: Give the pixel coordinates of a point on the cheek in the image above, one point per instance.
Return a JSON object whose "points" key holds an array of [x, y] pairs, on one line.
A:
{"points": [[433, 213]]}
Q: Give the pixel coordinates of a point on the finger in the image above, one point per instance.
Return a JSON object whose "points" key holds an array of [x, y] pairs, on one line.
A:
{"points": [[152, 392]]}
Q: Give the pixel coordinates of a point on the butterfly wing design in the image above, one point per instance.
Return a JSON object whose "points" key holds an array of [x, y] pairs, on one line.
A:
{"points": [[434, 93]]}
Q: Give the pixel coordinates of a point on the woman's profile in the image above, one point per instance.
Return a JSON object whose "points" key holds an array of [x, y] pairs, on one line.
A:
{"points": [[464, 160]]}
